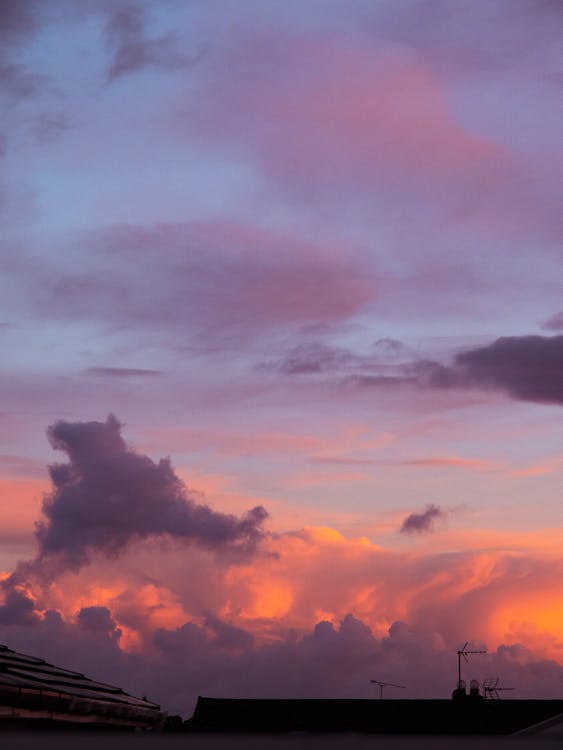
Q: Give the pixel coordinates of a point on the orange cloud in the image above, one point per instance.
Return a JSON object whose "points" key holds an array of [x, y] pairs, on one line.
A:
{"points": [[495, 595]]}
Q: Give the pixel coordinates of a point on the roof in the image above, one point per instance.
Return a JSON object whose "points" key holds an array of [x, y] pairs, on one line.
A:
{"points": [[388, 716], [31, 688]]}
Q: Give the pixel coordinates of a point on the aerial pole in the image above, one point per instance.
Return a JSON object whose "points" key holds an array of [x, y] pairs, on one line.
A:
{"points": [[464, 652], [385, 684]]}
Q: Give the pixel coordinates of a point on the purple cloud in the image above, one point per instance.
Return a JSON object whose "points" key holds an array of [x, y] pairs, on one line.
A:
{"points": [[18, 608], [107, 495], [422, 523], [17, 19], [216, 279], [96, 619], [528, 368], [328, 661]]}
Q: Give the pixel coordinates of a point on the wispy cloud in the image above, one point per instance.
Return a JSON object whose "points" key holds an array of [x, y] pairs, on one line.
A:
{"points": [[121, 372]]}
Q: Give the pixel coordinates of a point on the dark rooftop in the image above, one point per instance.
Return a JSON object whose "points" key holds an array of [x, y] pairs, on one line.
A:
{"points": [[388, 716], [32, 690]]}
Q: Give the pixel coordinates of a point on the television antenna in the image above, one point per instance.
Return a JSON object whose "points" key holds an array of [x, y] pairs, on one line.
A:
{"points": [[491, 687], [384, 685], [465, 653]]}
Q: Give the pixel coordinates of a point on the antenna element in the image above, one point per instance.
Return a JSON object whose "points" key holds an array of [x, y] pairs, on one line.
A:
{"points": [[385, 684]]}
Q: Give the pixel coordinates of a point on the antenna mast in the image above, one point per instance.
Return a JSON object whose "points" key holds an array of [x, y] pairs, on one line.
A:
{"points": [[491, 687], [464, 652], [385, 684]]}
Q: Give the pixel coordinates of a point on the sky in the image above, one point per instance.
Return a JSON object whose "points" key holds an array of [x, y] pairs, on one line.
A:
{"points": [[281, 344]]}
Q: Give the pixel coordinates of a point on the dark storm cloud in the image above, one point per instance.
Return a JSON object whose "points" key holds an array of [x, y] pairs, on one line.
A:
{"points": [[107, 495], [421, 523], [528, 368], [120, 372], [133, 51]]}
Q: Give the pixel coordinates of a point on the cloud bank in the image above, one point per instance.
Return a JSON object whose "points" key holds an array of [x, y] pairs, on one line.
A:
{"points": [[317, 614]]}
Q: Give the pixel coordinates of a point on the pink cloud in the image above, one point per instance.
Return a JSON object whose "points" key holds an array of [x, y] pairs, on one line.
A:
{"points": [[214, 278], [330, 116], [478, 464], [321, 104]]}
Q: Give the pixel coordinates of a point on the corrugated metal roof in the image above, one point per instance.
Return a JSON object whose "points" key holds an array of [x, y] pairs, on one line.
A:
{"points": [[28, 683]]}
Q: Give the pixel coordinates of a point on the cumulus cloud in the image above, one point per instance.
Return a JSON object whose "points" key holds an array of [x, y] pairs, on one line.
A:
{"points": [[18, 608], [420, 523], [319, 618], [329, 660], [96, 618], [107, 495]]}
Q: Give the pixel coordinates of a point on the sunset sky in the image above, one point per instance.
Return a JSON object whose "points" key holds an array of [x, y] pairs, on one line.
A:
{"points": [[280, 306]]}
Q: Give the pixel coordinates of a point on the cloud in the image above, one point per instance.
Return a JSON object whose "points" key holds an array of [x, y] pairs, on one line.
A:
{"points": [[319, 616], [18, 608], [528, 368], [210, 280], [228, 636], [96, 618], [328, 660], [421, 523], [337, 109], [133, 51], [314, 358], [107, 496], [386, 358], [360, 122], [120, 372], [554, 322], [19, 20]]}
